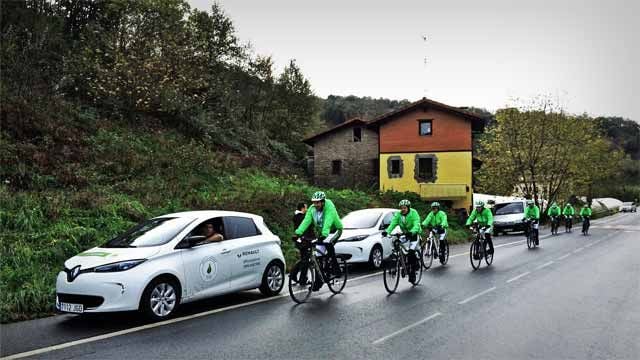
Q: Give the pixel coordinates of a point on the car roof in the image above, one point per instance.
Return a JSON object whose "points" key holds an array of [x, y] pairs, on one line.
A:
{"points": [[374, 210], [207, 214]]}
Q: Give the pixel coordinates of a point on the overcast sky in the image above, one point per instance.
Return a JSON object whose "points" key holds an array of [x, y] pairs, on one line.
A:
{"points": [[479, 53]]}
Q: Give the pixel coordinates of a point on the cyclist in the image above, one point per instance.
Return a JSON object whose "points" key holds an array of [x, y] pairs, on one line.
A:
{"points": [[568, 213], [554, 212], [408, 220], [585, 214], [485, 219], [324, 217], [532, 215], [437, 220]]}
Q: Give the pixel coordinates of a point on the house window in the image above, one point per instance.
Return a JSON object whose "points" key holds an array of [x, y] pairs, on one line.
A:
{"points": [[394, 167], [425, 168], [336, 167], [424, 127], [357, 134]]}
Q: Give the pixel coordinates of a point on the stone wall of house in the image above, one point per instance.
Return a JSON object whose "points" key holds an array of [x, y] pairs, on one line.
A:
{"points": [[359, 160]]}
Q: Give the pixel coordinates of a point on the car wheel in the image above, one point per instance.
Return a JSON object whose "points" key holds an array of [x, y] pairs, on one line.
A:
{"points": [[272, 279], [375, 258], [160, 298]]}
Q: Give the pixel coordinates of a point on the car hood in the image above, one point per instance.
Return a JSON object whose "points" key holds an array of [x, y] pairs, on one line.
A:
{"points": [[101, 256], [509, 218], [356, 232]]}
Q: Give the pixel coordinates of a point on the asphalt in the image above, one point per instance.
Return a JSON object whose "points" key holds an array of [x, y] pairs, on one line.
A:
{"points": [[574, 297]]}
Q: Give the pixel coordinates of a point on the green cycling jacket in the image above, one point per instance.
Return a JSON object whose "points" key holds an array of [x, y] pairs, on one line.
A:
{"points": [[532, 212], [554, 211], [568, 210], [436, 219], [408, 224], [324, 224], [485, 217], [585, 212]]}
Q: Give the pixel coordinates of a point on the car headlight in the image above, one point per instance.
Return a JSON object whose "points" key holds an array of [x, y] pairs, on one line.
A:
{"points": [[356, 238], [119, 266]]}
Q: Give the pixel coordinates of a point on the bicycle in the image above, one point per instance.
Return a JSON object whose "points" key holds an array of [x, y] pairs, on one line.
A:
{"points": [[555, 224], [568, 223], [317, 263], [586, 222], [431, 250], [532, 234], [398, 264], [479, 248]]}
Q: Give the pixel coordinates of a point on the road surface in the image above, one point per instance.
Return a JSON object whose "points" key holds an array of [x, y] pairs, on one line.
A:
{"points": [[574, 297]]}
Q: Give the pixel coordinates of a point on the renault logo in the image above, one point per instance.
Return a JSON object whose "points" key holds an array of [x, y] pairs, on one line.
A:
{"points": [[73, 273]]}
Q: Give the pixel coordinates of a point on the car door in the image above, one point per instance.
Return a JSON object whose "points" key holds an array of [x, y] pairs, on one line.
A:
{"points": [[246, 244], [207, 268], [386, 241]]}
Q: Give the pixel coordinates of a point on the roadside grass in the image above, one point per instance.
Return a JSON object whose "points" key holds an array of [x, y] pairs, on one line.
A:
{"points": [[126, 176]]}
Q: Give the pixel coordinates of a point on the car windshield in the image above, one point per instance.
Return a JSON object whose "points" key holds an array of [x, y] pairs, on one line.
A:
{"points": [[509, 208], [152, 232], [361, 219]]}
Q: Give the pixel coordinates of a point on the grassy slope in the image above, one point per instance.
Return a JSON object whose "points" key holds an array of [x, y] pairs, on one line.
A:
{"points": [[122, 175]]}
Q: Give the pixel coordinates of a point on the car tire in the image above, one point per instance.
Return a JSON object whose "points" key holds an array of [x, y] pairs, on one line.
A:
{"points": [[376, 257], [164, 290], [272, 279]]}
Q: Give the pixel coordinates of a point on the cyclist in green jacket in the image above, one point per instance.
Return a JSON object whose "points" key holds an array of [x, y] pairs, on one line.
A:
{"points": [[328, 227], [408, 220], [532, 216], [585, 214], [568, 212], [554, 213], [437, 220], [485, 219]]}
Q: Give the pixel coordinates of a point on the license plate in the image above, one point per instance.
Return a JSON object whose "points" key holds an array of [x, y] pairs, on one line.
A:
{"points": [[73, 308]]}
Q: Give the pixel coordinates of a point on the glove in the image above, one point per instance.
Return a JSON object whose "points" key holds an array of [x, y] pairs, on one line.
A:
{"points": [[321, 238], [295, 238], [438, 229], [384, 234]]}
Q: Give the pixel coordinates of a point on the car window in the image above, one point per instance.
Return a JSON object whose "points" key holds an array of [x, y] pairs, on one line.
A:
{"points": [[361, 219], [386, 221], [152, 232], [509, 208], [236, 227]]}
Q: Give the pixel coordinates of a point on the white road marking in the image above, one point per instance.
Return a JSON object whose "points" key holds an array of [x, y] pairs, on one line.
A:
{"points": [[431, 317], [564, 256], [544, 265], [518, 277], [476, 296], [578, 249], [589, 245]]}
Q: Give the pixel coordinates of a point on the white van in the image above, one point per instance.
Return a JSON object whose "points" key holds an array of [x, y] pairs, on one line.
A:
{"points": [[508, 216]]}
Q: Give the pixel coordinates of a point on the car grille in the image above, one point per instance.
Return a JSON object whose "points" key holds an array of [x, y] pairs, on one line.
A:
{"points": [[88, 301]]}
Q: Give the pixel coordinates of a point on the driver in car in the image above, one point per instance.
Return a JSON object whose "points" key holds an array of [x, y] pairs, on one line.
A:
{"points": [[211, 234]]}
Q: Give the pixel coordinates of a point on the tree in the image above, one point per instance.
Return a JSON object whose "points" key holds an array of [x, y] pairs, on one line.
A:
{"points": [[544, 153]]}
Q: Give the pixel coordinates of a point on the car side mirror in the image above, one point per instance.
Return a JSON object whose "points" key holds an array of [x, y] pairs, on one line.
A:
{"points": [[383, 226], [193, 240]]}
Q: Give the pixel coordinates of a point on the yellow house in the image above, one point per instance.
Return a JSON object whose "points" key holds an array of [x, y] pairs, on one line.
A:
{"points": [[426, 148]]}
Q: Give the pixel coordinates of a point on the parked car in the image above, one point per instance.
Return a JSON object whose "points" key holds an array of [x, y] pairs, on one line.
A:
{"points": [[362, 236], [163, 262], [628, 207], [508, 216]]}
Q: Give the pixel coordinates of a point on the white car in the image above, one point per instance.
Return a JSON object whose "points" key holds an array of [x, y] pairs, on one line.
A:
{"points": [[362, 236], [627, 206], [162, 263]]}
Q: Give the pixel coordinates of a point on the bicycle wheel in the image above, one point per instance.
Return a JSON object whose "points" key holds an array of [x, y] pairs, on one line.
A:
{"points": [[530, 240], [301, 290], [427, 258], [418, 269], [391, 274], [445, 256], [488, 258], [337, 284], [474, 255]]}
